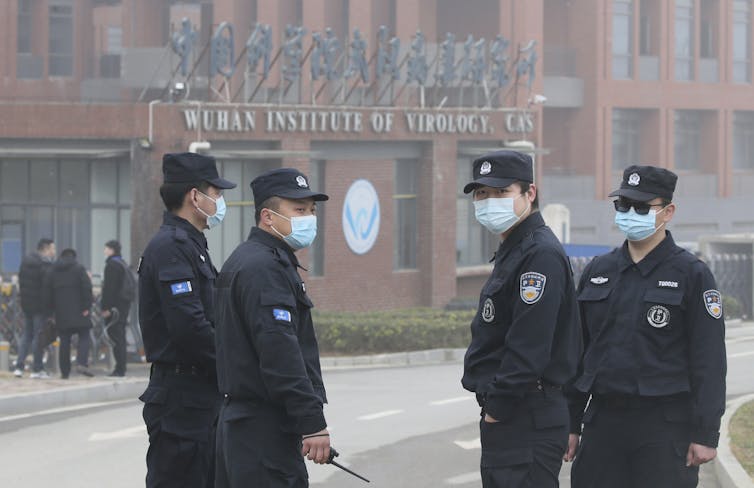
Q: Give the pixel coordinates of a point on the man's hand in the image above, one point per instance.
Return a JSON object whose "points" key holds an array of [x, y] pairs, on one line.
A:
{"points": [[489, 419], [106, 314], [316, 447], [85, 313], [573, 444], [699, 454]]}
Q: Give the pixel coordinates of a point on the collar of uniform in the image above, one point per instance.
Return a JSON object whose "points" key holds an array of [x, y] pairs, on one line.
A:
{"points": [[170, 218], [656, 256], [526, 227], [270, 240]]}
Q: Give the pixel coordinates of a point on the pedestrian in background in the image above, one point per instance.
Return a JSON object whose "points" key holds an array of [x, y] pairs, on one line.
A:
{"points": [[117, 293], [525, 338], [654, 360], [31, 275], [267, 352], [68, 294], [176, 278]]}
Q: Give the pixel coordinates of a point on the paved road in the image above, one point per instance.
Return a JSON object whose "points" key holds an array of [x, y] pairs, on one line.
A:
{"points": [[402, 427]]}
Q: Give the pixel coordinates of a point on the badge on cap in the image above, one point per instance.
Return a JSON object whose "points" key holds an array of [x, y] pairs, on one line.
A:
{"points": [[658, 316], [713, 301], [301, 181], [634, 179], [488, 311], [486, 168], [532, 287]]}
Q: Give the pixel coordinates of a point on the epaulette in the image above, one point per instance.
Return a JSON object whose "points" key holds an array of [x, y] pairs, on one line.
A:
{"points": [[281, 257]]}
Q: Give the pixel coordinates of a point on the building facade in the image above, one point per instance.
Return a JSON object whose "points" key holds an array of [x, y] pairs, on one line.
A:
{"points": [[384, 104]]}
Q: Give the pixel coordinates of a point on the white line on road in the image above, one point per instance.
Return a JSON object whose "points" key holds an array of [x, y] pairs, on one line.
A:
{"points": [[72, 408], [462, 479], [137, 431], [472, 444], [740, 354], [451, 400], [379, 415]]}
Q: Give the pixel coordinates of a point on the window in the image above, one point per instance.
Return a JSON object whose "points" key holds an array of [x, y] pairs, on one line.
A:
{"points": [[405, 224], [688, 132], [743, 141], [61, 40], [23, 43], [742, 41], [626, 138], [623, 39], [317, 251], [684, 40], [474, 244]]}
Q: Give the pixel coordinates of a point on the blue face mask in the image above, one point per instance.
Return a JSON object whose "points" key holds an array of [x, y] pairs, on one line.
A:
{"points": [[214, 220], [496, 214], [637, 227], [303, 231]]}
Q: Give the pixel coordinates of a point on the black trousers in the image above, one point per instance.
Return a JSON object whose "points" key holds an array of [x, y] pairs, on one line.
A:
{"points": [[82, 349], [635, 447], [117, 333], [180, 413], [526, 450], [253, 444]]}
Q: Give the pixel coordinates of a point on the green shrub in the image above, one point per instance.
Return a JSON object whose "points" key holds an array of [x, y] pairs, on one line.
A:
{"points": [[732, 307], [392, 331]]}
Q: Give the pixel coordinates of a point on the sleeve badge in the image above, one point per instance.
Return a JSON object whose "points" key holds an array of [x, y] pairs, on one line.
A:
{"points": [[532, 287], [281, 315], [713, 302], [180, 288]]}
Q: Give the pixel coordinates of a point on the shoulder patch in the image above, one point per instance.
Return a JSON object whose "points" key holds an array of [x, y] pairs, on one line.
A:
{"points": [[532, 287], [713, 302], [281, 314], [180, 288]]}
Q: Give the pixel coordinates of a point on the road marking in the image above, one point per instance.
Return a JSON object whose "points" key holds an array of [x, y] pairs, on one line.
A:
{"points": [[472, 444], [740, 354], [137, 431], [72, 408], [379, 415], [465, 478], [451, 400]]}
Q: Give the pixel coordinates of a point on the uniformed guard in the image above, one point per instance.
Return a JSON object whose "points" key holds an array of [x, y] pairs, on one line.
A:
{"points": [[654, 361], [176, 278], [525, 338], [268, 358]]}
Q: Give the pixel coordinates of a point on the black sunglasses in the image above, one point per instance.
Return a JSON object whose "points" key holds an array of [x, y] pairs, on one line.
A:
{"points": [[641, 208]]}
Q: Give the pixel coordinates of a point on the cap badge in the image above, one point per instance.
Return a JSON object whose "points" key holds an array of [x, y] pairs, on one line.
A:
{"points": [[485, 168], [301, 181], [634, 179]]}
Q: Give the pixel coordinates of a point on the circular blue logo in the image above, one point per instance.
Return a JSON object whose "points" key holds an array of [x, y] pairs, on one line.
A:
{"points": [[361, 216]]}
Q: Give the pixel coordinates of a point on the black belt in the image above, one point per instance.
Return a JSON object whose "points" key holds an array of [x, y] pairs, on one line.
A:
{"points": [[178, 369], [635, 401]]}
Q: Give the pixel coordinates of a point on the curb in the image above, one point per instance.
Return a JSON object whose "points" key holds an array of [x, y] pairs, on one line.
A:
{"points": [[730, 473], [132, 387]]}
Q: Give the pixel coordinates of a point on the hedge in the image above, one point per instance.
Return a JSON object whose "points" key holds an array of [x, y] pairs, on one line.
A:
{"points": [[392, 331]]}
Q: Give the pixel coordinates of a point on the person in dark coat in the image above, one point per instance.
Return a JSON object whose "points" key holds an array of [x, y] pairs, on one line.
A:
{"points": [[113, 297], [68, 293], [30, 279]]}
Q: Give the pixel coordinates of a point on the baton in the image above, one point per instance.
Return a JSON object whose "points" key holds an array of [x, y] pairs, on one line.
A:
{"points": [[333, 455]]}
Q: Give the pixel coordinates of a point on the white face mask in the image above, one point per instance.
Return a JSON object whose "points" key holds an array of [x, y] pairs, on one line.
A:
{"points": [[497, 214]]}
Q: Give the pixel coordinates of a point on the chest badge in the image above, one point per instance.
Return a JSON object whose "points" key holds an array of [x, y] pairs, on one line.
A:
{"points": [[658, 316], [599, 280], [488, 311], [532, 287], [202, 258], [713, 302], [303, 287]]}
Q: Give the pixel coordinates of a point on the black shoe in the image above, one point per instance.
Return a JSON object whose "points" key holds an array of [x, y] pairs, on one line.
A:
{"points": [[117, 374], [84, 370]]}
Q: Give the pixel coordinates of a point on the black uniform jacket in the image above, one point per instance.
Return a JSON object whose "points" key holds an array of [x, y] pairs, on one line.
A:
{"points": [[176, 277], [527, 326], [266, 346], [653, 328], [67, 294]]}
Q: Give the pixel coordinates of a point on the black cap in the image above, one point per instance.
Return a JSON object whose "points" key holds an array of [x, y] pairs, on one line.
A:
{"points": [[192, 168], [501, 168], [283, 182], [645, 183]]}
